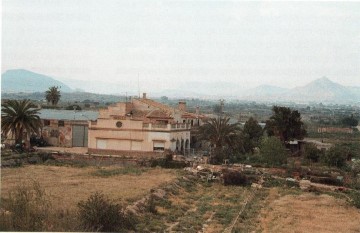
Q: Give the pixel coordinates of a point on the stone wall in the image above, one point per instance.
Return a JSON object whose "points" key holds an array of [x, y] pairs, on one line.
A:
{"points": [[139, 154]]}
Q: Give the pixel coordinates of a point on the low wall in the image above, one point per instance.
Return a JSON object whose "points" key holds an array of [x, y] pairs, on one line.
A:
{"points": [[139, 154]]}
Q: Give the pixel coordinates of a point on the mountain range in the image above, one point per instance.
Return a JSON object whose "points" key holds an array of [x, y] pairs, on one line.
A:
{"points": [[320, 90]]}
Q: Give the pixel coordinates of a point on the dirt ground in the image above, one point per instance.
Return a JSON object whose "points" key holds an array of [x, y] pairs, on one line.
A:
{"points": [[308, 212], [69, 185]]}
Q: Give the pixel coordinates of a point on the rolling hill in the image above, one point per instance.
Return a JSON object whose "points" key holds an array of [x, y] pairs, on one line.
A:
{"points": [[20, 80]]}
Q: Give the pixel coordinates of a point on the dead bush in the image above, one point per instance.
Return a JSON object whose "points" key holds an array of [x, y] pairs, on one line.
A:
{"points": [[98, 213], [26, 209], [232, 177]]}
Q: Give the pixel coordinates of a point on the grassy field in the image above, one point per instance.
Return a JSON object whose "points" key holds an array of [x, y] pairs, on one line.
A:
{"points": [[67, 186], [189, 204]]}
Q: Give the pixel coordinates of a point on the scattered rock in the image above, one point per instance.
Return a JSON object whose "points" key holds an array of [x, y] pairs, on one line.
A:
{"points": [[159, 193], [305, 185]]}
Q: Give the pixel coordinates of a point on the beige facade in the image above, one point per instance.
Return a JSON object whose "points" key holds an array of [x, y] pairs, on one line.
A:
{"points": [[142, 126]]}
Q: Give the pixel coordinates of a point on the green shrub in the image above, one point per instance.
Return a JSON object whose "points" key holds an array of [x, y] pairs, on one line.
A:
{"points": [[312, 153], [98, 213], [336, 156], [273, 151], [28, 209]]}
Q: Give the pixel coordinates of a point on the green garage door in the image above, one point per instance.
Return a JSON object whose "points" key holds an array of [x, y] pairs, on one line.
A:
{"points": [[79, 136]]}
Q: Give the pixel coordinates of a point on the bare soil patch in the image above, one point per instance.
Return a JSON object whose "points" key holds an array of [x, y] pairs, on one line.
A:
{"points": [[308, 212], [69, 185]]}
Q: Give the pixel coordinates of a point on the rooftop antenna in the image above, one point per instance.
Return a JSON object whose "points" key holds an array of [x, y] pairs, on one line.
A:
{"points": [[138, 86]]}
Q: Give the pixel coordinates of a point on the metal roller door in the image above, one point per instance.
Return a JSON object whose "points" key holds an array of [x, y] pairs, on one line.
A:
{"points": [[159, 146], [79, 136]]}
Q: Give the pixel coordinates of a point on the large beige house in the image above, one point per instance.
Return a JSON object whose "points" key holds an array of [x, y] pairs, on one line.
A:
{"points": [[142, 126]]}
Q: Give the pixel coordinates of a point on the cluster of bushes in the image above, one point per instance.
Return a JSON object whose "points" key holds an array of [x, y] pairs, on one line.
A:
{"points": [[336, 156], [27, 208], [271, 152]]}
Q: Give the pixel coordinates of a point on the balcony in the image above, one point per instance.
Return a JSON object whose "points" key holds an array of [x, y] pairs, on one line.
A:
{"points": [[166, 127]]}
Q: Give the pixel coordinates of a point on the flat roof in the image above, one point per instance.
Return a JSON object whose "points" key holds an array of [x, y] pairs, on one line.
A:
{"points": [[54, 114]]}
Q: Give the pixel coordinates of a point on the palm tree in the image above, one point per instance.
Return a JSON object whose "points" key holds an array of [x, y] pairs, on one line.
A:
{"points": [[19, 117], [220, 133], [53, 95]]}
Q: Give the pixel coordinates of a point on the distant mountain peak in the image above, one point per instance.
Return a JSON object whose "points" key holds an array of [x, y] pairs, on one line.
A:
{"points": [[324, 79], [324, 82]]}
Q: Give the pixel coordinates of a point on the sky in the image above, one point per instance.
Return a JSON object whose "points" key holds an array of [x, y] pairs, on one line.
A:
{"points": [[180, 44]]}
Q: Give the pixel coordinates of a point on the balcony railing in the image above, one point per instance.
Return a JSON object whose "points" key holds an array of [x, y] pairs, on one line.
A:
{"points": [[178, 126], [159, 126]]}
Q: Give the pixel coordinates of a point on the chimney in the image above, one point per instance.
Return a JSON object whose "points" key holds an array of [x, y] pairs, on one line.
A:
{"points": [[197, 110], [182, 106], [144, 95]]}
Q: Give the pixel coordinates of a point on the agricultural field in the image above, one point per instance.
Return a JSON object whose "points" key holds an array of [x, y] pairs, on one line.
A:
{"points": [[286, 211], [178, 201]]}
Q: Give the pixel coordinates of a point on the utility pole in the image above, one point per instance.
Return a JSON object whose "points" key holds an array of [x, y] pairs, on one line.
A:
{"points": [[221, 106]]}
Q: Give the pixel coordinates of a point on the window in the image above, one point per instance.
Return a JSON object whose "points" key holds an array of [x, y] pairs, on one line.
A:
{"points": [[61, 123], [46, 122], [101, 144], [159, 146]]}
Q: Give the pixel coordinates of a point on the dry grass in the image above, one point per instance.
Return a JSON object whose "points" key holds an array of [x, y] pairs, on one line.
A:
{"points": [[68, 185], [308, 212]]}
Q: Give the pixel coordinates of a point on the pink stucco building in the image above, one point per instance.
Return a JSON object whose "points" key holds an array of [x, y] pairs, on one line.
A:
{"points": [[142, 126]]}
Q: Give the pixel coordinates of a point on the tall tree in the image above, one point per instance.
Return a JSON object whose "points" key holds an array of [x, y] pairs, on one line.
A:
{"points": [[18, 117], [252, 134], [53, 95], [220, 133], [350, 121], [285, 124]]}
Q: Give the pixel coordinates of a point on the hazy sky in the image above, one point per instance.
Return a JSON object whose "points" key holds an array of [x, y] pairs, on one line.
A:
{"points": [[170, 43]]}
